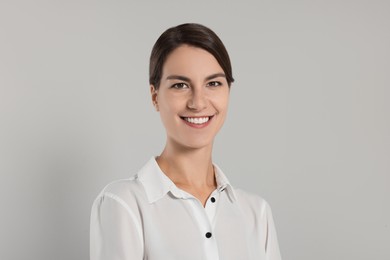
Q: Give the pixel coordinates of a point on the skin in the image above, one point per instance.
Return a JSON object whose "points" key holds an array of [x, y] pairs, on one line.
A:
{"points": [[193, 84]]}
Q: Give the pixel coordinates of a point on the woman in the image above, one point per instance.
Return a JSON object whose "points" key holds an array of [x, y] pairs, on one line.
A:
{"points": [[180, 205]]}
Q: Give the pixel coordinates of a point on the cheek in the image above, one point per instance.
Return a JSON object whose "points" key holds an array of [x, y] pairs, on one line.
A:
{"points": [[223, 103], [169, 109]]}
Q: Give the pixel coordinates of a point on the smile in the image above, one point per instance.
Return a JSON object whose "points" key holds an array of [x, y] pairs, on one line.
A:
{"points": [[197, 121]]}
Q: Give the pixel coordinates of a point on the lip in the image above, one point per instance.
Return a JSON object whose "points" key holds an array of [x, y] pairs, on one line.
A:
{"points": [[198, 126]]}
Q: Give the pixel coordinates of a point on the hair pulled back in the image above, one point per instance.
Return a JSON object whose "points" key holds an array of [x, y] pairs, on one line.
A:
{"points": [[192, 34]]}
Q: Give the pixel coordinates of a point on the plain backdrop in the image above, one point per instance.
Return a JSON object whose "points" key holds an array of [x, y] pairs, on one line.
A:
{"points": [[308, 127]]}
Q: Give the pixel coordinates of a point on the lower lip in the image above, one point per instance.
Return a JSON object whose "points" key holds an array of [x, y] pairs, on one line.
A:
{"points": [[198, 125]]}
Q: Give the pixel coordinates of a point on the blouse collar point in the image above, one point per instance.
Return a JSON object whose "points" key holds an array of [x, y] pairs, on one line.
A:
{"points": [[154, 181], [224, 184]]}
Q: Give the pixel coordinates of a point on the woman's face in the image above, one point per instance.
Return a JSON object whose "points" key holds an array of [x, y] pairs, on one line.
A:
{"points": [[192, 97]]}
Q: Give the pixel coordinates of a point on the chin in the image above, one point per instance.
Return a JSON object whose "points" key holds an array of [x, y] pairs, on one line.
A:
{"points": [[193, 144], [198, 145]]}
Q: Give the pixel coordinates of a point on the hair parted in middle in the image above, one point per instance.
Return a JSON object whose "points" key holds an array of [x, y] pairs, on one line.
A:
{"points": [[192, 34]]}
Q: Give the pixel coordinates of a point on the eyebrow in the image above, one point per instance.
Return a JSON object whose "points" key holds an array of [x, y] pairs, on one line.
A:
{"points": [[179, 77]]}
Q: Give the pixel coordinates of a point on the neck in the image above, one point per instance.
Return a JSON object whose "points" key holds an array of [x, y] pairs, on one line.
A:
{"points": [[188, 166]]}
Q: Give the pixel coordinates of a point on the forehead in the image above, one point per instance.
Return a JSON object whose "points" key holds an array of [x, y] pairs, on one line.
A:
{"points": [[191, 61]]}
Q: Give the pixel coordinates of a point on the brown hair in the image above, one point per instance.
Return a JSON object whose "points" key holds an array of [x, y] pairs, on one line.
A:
{"points": [[193, 34]]}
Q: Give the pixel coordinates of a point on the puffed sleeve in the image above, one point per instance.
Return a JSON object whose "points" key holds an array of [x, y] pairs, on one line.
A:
{"points": [[115, 231], [272, 246]]}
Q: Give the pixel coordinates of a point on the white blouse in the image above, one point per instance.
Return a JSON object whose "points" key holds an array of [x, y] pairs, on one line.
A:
{"points": [[149, 217]]}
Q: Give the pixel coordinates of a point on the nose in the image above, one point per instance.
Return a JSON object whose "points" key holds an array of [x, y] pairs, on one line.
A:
{"points": [[197, 101]]}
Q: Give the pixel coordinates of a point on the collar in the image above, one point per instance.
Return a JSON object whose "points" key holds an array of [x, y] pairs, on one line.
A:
{"points": [[157, 184]]}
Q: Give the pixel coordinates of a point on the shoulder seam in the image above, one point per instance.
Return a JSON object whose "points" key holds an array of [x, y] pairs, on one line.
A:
{"points": [[128, 210]]}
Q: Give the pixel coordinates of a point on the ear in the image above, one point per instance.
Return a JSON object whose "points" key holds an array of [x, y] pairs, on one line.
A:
{"points": [[153, 93]]}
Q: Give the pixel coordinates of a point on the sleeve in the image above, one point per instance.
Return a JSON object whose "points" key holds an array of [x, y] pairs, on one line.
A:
{"points": [[271, 243], [115, 231]]}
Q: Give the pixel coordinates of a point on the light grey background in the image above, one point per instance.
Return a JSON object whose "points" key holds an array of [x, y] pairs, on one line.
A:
{"points": [[308, 126]]}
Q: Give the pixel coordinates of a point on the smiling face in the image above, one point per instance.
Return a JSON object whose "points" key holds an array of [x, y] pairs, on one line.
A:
{"points": [[192, 97]]}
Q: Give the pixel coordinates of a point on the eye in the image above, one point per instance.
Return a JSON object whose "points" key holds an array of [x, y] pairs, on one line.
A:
{"points": [[180, 85], [214, 84]]}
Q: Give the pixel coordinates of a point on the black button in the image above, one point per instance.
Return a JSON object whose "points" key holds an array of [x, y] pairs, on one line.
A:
{"points": [[212, 199], [208, 234]]}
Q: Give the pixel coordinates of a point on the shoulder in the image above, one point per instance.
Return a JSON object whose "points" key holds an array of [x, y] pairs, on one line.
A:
{"points": [[126, 192], [121, 186], [251, 202], [115, 216]]}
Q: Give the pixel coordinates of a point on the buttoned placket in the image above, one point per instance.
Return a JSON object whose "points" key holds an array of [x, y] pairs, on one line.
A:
{"points": [[211, 207], [205, 218]]}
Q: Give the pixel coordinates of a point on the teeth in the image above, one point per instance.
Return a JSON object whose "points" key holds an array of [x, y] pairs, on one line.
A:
{"points": [[197, 120]]}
